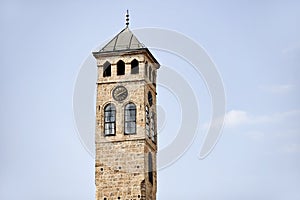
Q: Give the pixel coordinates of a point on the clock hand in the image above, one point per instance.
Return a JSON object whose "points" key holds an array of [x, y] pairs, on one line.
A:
{"points": [[117, 93], [121, 93]]}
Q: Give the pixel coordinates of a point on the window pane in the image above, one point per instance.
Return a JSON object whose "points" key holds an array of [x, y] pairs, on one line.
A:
{"points": [[130, 115], [152, 127], [150, 73], [146, 68], [109, 129], [109, 119], [130, 118], [147, 122], [130, 127]]}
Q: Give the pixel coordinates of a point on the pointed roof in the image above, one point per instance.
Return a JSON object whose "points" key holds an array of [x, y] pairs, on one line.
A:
{"points": [[125, 40], [123, 43]]}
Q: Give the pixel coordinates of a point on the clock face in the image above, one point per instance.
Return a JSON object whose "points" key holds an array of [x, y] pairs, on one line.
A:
{"points": [[150, 98], [120, 93]]}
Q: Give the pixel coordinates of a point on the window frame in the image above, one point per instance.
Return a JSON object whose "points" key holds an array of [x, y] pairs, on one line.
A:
{"points": [[147, 121], [130, 120], [146, 69], [153, 76], [152, 127], [110, 108], [150, 73]]}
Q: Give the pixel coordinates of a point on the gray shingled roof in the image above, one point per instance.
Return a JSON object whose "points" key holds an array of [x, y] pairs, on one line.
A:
{"points": [[125, 40]]}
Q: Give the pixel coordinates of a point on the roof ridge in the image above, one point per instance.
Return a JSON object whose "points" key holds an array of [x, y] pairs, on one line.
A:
{"points": [[113, 38], [124, 40]]}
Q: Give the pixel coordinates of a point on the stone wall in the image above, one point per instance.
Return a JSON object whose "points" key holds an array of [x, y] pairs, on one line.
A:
{"points": [[121, 165]]}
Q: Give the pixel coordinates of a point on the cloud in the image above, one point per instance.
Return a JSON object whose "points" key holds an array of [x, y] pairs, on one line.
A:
{"points": [[256, 135], [236, 118], [283, 125], [278, 89]]}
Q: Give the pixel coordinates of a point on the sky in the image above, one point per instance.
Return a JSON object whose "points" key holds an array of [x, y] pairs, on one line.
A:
{"points": [[254, 45]]}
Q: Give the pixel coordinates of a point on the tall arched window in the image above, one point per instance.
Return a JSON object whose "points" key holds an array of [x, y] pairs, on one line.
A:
{"points": [[146, 68], [134, 67], [147, 121], [120, 68], [150, 168], [153, 76], [109, 119], [152, 127], [150, 72], [106, 69], [130, 119]]}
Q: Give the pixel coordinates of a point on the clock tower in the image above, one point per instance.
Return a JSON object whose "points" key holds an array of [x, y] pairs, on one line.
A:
{"points": [[126, 128]]}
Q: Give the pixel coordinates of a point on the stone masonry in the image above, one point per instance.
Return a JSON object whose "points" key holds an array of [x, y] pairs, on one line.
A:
{"points": [[122, 160]]}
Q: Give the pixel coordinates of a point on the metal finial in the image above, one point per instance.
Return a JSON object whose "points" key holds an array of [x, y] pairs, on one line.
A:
{"points": [[127, 18]]}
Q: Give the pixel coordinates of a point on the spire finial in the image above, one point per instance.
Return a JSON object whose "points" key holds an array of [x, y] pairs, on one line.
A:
{"points": [[127, 18]]}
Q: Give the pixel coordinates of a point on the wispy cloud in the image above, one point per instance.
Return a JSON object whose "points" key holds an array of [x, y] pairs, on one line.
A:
{"points": [[256, 135], [236, 118], [283, 125], [278, 89]]}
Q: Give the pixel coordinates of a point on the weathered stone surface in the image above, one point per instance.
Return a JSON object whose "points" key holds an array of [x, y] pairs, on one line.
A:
{"points": [[121, 164]]}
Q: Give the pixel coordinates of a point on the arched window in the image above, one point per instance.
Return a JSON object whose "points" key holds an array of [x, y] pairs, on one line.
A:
{"points": [[150, 168], [146, 68], [147, 121], [150, 72], [109, 119], [152, 127], [134, 67], [106, 69], [120, 68], [153, 76], [130, 119]]}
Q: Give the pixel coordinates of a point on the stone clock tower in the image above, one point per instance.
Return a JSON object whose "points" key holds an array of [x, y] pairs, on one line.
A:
{"points": [[126, 128]]}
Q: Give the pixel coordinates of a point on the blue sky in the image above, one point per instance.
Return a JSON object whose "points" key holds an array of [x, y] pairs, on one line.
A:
{"points": [[254, 44]]}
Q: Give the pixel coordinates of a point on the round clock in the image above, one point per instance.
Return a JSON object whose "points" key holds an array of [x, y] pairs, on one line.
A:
{"points": [[150, 98], [120, 93]]}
